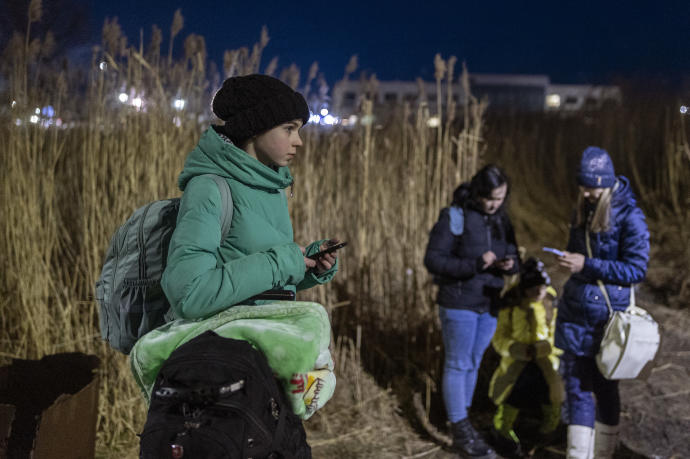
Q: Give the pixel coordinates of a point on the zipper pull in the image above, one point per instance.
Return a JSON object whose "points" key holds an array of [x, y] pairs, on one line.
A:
{"points": [[292, 185]]}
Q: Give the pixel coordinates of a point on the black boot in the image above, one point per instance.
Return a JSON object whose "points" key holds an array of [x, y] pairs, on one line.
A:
{"points": [[468, 442]]}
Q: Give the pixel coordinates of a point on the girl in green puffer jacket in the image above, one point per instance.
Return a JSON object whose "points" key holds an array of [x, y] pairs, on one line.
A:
{"points": [[251, 151]]}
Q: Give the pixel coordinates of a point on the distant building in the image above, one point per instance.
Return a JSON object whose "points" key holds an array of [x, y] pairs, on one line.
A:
{"points": [[571, 97], [513, 93], [505, 93]]}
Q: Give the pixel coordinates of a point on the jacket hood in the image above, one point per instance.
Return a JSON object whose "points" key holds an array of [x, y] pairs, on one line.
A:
{"points": [[623, 195], [213, 155]]}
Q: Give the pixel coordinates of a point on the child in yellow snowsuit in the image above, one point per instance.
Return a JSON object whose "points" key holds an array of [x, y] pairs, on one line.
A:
{"points": [[528, 371]]}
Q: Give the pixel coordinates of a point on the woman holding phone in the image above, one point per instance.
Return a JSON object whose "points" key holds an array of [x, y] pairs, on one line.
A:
{"points": [[251, 151], [607, 220], [471, 247]]}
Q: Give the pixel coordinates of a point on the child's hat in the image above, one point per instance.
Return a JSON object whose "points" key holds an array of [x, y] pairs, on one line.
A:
{"points": [[596, 169], [533, 274], [253, 104]]}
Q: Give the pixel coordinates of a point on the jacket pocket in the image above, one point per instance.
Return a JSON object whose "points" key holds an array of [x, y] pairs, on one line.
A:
{"points": [[619, 295]]}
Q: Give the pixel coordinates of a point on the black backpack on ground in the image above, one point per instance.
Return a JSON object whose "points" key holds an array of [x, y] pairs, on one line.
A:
{"points": [[217, 398]]}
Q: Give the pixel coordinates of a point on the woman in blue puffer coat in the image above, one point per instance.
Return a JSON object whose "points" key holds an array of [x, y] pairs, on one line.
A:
{"points": [[619, 242], [471, 247]]}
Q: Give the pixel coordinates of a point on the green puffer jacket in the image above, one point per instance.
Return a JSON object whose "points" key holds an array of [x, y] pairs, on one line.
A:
{"points": [[204, 275]]}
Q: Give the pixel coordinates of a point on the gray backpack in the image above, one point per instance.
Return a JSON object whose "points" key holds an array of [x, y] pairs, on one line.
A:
{"points": [[129, 294]]}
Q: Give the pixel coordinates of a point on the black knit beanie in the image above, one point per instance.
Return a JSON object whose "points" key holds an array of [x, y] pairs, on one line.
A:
{"points": [[253, 104]]}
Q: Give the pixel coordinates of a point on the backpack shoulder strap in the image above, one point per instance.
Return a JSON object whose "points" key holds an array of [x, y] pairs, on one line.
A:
{"points": [[226, 202], [457, 220]]}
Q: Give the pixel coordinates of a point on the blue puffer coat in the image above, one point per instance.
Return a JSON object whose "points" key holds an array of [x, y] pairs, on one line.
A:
{"points": [[619, 259]]}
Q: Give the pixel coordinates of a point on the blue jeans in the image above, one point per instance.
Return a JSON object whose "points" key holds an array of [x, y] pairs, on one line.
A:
{"points": [[588, 395], [466, 335]]}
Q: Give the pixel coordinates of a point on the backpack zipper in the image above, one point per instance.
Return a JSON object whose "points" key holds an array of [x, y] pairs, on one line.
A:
{"points": [[118, 247], [140, 241]]}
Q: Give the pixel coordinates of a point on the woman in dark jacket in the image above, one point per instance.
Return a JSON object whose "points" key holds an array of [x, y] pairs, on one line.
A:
{"points": [[619, 243], [471, 247]]}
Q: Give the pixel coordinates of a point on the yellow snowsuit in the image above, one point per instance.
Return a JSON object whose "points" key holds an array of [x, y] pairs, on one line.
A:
{"points": [[518, 327]]}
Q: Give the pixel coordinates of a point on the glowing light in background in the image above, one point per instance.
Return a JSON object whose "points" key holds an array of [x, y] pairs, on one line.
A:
{"points": [[314, 119], [329, 119], [137, 102], [37, 111], [14, 103], [179, 104], [324, 111], [553, 101], [433, 122], [34, 119], [103, 65], [683, 109], [123, 97]]}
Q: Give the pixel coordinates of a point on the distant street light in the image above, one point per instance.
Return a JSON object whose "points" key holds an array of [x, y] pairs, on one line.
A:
{"points": [[123, 97]]}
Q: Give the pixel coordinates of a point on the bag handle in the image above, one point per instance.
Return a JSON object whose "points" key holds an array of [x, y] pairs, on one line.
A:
{"points": [[601, 285]]}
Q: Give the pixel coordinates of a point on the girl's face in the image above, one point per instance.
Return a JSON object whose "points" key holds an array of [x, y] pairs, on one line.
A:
{"points": [[277, 146], [591, 194], [492, 203]]}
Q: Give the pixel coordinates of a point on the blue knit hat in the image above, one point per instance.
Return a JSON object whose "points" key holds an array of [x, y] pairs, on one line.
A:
{"points": [[596, 169]]}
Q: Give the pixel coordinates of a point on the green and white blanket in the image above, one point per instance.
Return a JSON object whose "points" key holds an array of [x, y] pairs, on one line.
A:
{"points": [[293, 335]]}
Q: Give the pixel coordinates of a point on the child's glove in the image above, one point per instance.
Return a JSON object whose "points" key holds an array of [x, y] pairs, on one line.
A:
{"points": [[521, 351], [542, 348]]}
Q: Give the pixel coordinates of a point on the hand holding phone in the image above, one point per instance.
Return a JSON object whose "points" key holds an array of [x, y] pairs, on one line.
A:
{"points": [[558, 253], [330, 249]]}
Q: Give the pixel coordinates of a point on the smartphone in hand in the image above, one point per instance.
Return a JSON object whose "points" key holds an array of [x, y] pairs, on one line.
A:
{"points": [[558, 253], [329, 249]]}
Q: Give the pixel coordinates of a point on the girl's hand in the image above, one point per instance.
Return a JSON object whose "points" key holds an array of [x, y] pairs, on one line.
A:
{"points": [[308, 262], [327, 261], [572, 261], [489, 258]]}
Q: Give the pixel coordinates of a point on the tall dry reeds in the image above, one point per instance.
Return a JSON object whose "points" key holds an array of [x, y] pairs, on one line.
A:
{"points": [[66, 190], [377, 185]]}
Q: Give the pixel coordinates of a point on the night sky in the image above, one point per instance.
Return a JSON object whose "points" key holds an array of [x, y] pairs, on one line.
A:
{"points": [[573, 42]]}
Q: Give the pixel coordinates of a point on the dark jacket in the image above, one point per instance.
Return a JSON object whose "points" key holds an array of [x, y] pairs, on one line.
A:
{"points": [[619, 259], [456, 262]]}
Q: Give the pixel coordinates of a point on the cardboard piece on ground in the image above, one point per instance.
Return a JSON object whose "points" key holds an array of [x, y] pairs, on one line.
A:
{"points": [[53, 407]]}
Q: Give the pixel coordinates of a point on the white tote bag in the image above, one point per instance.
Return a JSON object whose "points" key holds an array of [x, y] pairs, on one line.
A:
{"points": [[631, 338]]}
